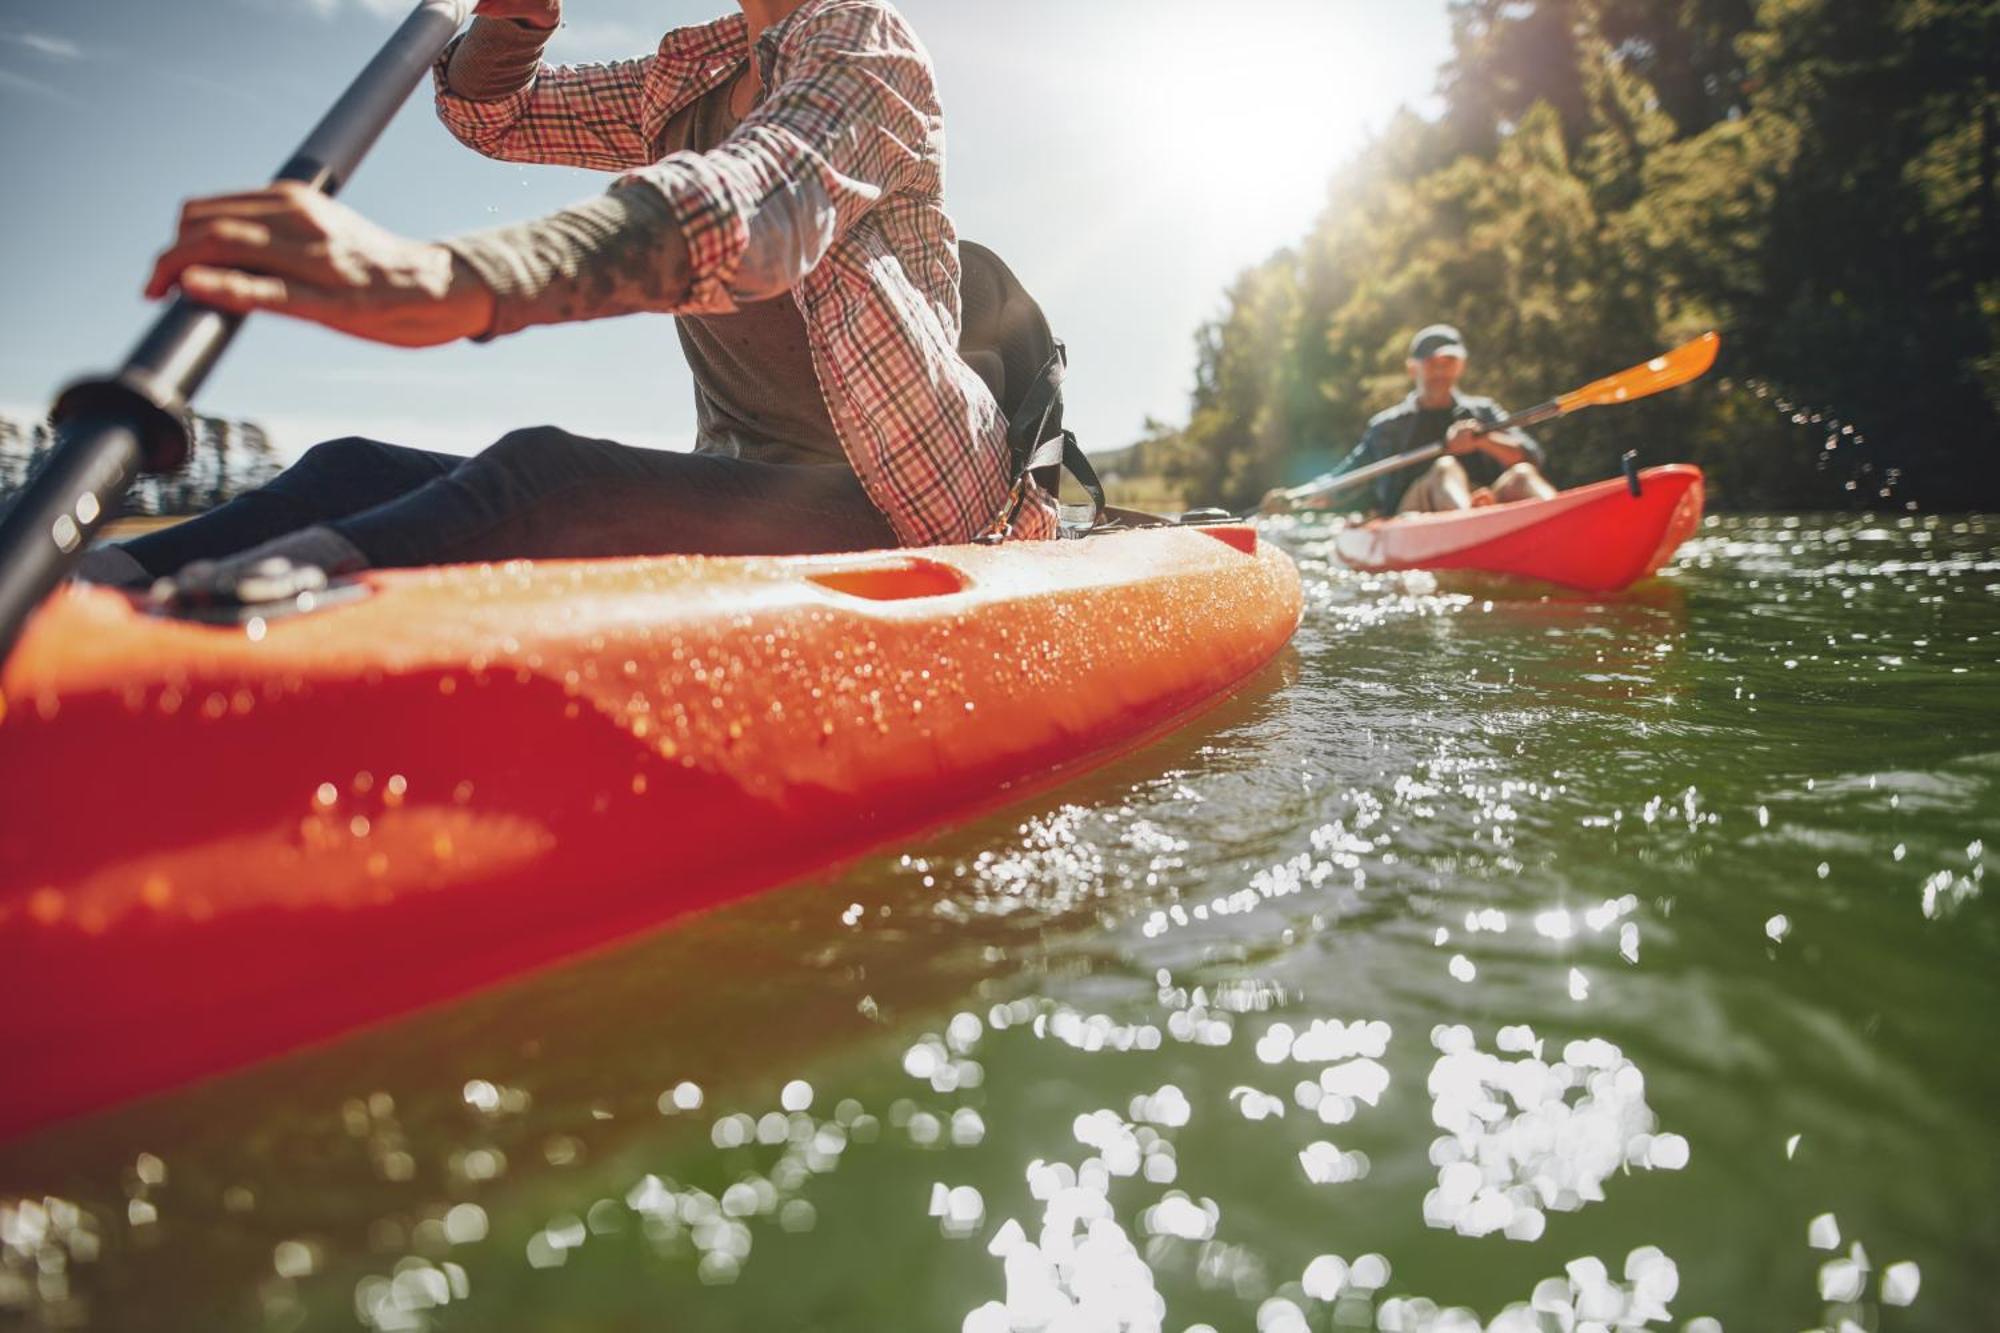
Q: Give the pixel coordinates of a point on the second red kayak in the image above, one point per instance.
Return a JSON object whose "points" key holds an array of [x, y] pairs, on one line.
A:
{"points": [[1598, 538]]}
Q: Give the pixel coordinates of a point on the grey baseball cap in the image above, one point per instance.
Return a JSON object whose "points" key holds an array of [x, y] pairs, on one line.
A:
{"points": [[1437, 340]]}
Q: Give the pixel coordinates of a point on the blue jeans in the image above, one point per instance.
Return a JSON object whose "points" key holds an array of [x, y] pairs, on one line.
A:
{"points": [[535, 494]]}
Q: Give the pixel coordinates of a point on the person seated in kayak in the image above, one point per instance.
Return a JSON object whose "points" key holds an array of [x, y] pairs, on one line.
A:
{"points": [[1480, 468], [780, 193]]}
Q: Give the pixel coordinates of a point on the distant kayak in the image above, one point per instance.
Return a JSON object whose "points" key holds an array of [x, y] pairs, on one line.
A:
{"points": [[1599, 538], [218, 843]]}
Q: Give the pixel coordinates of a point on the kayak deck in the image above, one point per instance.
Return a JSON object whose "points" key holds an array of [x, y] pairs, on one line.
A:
{"points": [[217, 844], [1598, 538]]}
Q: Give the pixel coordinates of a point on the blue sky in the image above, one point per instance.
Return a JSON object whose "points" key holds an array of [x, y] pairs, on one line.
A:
{"points": [[1127, 157]]}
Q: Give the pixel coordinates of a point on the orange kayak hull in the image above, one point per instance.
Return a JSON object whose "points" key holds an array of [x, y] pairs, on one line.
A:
{"points": [[1598, 538], [221, 843]]}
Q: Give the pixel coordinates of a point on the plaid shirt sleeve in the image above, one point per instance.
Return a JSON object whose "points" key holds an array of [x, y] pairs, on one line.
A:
{"points": [[846, 124], [604, 117]]}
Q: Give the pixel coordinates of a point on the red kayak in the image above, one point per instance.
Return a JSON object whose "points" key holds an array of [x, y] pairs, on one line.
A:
{"points": [[220, 842], [1599, 538]]}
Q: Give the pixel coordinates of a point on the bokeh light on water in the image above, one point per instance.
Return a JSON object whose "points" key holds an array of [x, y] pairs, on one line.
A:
{"points": [[1494, 961]]}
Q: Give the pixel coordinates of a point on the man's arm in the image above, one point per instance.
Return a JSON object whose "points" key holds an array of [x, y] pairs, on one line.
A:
{"points": [[1505, 447], [1278, 502]]}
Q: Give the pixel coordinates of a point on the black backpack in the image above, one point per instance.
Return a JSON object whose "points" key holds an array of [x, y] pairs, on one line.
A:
{"points": [[1007, 340]]}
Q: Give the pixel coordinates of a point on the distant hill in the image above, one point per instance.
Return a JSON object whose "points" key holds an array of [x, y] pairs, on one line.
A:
{"points": [[1119, 463], [225, 459]]}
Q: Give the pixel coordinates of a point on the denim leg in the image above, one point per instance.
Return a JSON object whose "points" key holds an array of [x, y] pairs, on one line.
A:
{"points": [[547, 494], [332, 480]]}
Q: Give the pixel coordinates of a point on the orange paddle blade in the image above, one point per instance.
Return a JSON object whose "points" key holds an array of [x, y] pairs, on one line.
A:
{"points": [[1670, 370]]}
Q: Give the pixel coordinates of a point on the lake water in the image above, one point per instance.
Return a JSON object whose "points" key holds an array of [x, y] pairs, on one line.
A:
{"points": [[1492, 960]]}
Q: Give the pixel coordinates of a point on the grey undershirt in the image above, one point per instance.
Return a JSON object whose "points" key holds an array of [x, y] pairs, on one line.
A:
{"points": [[757, 395]]}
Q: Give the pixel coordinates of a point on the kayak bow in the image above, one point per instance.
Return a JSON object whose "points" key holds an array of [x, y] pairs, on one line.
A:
{"points": [[296, 827]]}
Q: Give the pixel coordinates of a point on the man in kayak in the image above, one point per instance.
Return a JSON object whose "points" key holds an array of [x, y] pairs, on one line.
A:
{"points": [[1480, 468], [780, 192]]}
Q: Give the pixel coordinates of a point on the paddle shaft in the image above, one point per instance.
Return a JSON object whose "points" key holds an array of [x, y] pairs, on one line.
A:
{"points": [[112, 427]]}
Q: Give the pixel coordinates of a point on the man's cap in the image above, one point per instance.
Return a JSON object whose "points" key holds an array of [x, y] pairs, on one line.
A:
{"points": [[1437, 340]]}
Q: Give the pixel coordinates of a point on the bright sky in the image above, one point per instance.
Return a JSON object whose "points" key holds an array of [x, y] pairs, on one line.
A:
{"points": [[1127, 157]]}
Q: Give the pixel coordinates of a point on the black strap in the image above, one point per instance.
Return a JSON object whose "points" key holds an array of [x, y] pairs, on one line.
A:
{"points": [[1039, 417], [1040, 450], [1063, 454]]}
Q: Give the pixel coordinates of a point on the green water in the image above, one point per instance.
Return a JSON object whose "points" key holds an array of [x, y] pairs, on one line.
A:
{"points": [[1719, 844]]}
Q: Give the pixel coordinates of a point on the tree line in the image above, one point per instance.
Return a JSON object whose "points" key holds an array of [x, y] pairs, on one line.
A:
{"points": [[1607, 178], [225, 458]]}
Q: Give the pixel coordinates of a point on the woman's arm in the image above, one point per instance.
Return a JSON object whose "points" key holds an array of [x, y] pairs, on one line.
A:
{"points": [[852, 119], [497, 97]]}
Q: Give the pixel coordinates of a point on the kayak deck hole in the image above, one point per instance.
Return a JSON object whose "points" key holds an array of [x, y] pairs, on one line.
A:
{"points": [[904, 581]]}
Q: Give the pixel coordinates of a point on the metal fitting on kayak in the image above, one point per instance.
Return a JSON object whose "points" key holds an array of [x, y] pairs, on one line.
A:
{"points": [[269, 590]]}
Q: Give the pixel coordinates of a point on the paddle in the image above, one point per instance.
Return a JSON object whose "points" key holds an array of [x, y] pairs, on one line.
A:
{"points": [[112, 427], [1689, 361]]}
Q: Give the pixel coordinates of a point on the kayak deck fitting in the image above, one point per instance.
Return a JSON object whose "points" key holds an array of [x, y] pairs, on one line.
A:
{"points": [[1597, 538], [221, 843]]}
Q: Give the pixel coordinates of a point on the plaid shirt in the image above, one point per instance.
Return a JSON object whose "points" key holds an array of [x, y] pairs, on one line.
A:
{"points": [[832, 189]]}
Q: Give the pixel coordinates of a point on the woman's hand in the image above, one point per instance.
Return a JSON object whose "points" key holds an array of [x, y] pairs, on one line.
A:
{"points": [[294, 251], [545, 14]]}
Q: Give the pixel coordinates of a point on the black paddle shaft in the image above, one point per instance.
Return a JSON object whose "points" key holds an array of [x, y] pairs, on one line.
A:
{"points": [[112, 427]]}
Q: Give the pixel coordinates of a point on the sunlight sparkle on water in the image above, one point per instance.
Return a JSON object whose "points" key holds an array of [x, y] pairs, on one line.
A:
{"points": [[1574, 1124], [1900, 1283], [1441, 856]]}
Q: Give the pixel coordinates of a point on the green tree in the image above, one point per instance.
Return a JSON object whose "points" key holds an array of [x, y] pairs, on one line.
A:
{"points": [[1815, 178]]}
